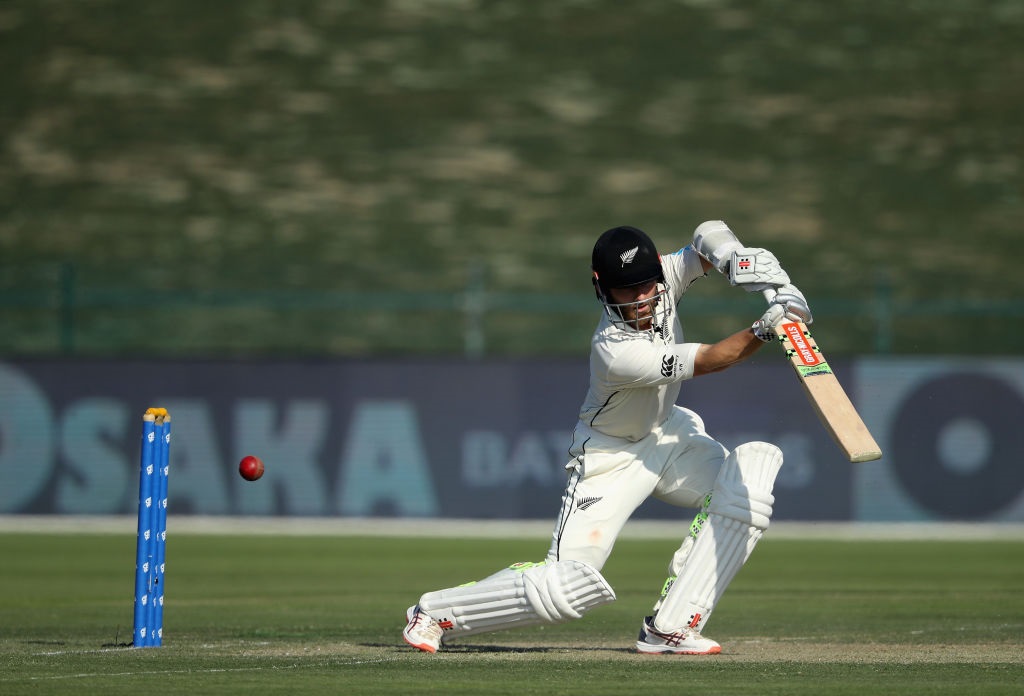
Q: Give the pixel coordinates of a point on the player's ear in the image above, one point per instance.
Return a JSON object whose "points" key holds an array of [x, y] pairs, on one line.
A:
{"points": [[597, 287]]}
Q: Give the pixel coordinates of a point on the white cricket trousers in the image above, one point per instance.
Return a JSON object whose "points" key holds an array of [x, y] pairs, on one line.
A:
{"points": [[677, 463]]}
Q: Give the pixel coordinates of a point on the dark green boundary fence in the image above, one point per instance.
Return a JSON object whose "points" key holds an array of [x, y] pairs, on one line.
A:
{"points": [[57, 313]]}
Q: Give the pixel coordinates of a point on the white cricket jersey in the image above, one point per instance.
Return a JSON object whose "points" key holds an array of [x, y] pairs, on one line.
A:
{"points": [[635, 375]]}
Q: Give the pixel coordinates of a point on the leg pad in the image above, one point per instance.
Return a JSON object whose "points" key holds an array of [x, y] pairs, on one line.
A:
{"points": [[740, 509], [524, 594]]}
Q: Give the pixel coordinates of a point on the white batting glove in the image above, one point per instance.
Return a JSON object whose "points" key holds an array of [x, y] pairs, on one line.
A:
{"points": [[764, 328], [756, 270], [793, 303]]}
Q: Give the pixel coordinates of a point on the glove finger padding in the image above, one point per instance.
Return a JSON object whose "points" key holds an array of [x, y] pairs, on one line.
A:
{"points": [[756, 270], [794, 304], [764, 328]]}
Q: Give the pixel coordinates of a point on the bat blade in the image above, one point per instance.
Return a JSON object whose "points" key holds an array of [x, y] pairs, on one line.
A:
{"points": [[827, 396]]}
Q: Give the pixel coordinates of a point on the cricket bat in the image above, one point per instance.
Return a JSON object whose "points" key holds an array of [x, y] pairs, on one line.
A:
{"points": [[826, 394]]}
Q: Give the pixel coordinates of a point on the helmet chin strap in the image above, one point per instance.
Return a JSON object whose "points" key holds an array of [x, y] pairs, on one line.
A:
{"points": [[597, 288]]}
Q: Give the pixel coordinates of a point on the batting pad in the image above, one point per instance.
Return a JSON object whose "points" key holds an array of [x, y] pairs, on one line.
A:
{"points": [[523, 594], [740, 509]]}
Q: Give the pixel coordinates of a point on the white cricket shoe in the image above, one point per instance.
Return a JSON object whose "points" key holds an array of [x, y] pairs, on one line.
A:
{"points": [[686, 642], [423, 631]]}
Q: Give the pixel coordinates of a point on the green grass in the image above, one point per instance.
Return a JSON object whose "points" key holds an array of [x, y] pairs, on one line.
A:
{"points": [[367, 146], [323, 614]]}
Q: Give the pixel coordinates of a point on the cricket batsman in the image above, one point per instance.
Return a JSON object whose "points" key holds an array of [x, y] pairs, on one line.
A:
{"points": [[631, 442]]}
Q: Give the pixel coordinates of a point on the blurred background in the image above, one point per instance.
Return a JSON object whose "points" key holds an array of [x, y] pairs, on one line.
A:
{"points": [[210, 202]]}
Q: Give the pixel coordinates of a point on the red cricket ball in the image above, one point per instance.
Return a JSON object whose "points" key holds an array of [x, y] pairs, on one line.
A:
{"points": [[250, 468]]}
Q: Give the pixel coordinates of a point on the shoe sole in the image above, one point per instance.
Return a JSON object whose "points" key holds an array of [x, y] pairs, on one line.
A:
{"points": [[657, 650], [424, 647]]}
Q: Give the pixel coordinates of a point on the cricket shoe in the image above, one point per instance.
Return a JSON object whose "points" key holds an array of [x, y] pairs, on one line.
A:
{"points": [[651, 641], [423, 632]]}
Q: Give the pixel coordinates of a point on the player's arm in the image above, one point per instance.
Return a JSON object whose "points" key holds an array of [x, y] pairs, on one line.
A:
{"points": [[752, 268], [788, 303], [714, 357]]}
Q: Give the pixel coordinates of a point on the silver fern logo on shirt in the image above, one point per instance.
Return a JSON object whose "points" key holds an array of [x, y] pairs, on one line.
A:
{"points": [[628, 256]]}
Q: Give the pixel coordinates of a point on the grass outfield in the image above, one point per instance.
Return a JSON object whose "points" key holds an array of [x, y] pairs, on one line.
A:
{"points": [[323, 614]]}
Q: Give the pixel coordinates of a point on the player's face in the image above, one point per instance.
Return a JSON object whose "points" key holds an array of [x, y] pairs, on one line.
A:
{"points": [[639, 306]]}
